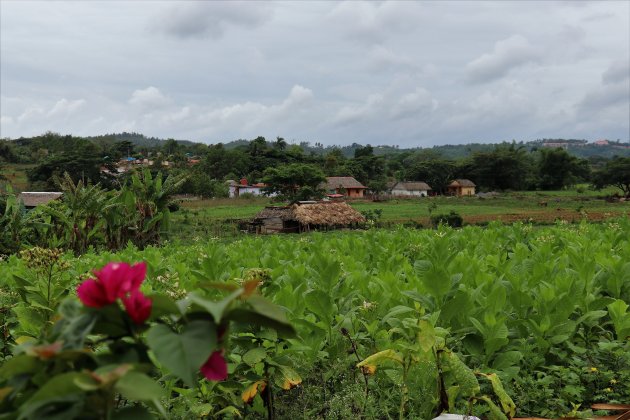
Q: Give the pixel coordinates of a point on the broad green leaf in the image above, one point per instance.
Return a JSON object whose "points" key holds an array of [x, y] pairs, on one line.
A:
{"points": [[19, 365], [495, 412], [216, 309], [183, 354], [58, 388], [255, 355], [162, 305], [507, 404], [254, 317], [397, 310], [426, 336], [133, 413], [289, 378], [461, 374], [320, 303], [136, 386], [620, 318], [31, 320], [380, 357], [507, 359]]}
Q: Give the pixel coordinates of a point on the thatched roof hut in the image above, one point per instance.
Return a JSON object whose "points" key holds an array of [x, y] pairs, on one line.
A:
{"points": [[304, 216], [327, 214], [32, 199]]}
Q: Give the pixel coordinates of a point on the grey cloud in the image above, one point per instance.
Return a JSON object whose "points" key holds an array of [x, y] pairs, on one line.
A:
{"points": [[618, 72], [373, 22], [210, 18], [604, 97], [506, 55], [408, 73]]}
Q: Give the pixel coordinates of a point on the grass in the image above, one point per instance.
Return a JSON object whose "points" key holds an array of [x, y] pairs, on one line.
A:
{"points": [[208, 217], [15, 174]]}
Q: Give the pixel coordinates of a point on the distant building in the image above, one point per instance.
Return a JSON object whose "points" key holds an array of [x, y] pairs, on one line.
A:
{"points": [[344, 185], [461, 187], [601, 143], [31, 199], [237, 189], [556, 145], [304, 216], [413, 189]]}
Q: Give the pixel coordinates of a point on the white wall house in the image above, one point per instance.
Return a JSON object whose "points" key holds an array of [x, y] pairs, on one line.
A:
{"points": [[410, 189], [237, 190]]}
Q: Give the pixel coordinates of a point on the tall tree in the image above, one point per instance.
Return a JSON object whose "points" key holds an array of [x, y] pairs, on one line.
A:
{"points": [[558, 169], [507, 167], [295, 181], [615, 173]]}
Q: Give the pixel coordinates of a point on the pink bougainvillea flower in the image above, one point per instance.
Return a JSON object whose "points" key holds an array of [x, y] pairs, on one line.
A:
{"points": [[92, 293], [138, 306], [215, 368], [115, 280]]}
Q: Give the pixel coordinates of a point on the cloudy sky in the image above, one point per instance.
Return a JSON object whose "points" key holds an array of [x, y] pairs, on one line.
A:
{"points": [[407, 73]]}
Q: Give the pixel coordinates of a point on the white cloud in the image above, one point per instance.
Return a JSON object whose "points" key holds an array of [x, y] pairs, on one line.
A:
{"points": [[507, 54], [30, 113], [64, 107], [148, 98]]}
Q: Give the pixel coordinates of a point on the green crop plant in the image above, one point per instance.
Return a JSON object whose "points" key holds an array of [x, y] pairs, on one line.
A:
{"points": [[539, 306]]}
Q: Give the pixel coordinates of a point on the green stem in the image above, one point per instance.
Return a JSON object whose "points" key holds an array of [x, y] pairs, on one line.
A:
{"points": [[404, 392]]}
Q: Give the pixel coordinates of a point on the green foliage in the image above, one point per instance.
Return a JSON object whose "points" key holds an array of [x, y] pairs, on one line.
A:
{"points": [[93, 362], [616, 172], [294, 181], [451, 219], [539, 307], [558, 169]]}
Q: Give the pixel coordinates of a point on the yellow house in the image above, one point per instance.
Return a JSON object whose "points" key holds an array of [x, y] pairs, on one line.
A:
{"points": [[461, 187]]}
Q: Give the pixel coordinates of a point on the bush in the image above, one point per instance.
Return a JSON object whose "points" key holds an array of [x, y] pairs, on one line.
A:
{"points": [[452, 219]]}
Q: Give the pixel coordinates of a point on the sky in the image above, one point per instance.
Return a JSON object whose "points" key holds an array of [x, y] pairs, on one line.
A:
{"points": [[412, 74]]}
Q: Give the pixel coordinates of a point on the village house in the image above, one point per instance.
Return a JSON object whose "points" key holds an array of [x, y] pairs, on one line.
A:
{"points": [[32, 199], [304, 216], [461, 187], [410, 189], [345, 186], [237, 189]]}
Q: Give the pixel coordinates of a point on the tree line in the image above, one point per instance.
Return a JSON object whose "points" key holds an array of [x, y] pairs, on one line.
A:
{"points": [[506, 166]]}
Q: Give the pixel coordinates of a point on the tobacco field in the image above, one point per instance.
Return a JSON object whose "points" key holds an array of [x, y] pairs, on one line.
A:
{"points": [[500, 321]]}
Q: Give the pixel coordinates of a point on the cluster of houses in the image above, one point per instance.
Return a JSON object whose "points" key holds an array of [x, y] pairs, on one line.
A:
{"points": [[348, 187]]}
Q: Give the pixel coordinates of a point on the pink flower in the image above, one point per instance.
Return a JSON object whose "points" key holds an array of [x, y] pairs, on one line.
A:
{"points": [[138, 306], [215, 368], [115, 280]]}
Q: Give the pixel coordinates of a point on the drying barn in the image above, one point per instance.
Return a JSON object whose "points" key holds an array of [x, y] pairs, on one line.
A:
{"points": [[305, 216]]}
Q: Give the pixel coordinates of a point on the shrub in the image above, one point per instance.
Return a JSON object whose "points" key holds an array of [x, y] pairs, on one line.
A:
{"points": [[452, 219]]}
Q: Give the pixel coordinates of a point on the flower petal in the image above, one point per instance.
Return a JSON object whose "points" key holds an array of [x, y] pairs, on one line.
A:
{"points": [[137, 273], [138, 306], [92, 293], [215, 368], [113, 276]]}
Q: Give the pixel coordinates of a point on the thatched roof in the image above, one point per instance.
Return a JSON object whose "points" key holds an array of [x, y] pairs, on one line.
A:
{"points": [[462, 183], [334, 182], [412, 186], [327, 213], [32, 199], [320, 213], [284, 213]]}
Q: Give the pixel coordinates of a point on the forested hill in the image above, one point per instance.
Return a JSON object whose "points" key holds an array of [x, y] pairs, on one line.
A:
{"points": [[576, 147], [579, 148]]}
